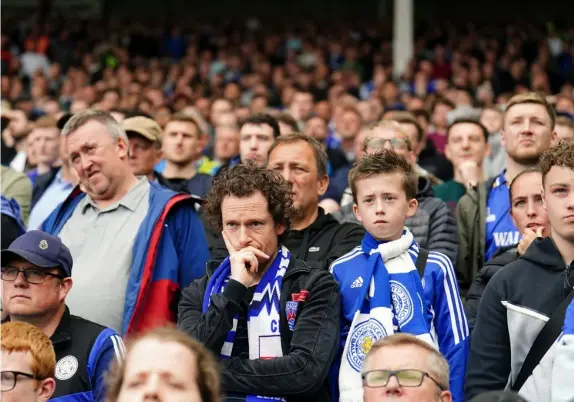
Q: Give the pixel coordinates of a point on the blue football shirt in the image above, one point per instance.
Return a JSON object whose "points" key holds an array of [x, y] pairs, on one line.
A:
{"points": [[500, 230]]}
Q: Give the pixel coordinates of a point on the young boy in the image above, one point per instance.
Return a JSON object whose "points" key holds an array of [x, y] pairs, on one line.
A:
{"points": [[384, 272]]}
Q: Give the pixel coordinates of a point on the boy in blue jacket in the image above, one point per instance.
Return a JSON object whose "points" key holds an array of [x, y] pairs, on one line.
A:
{"points": [[384, 189]]}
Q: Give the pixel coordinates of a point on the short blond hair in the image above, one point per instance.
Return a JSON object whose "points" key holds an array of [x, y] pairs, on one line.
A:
{"points": [[46, 122], [437, 364], [22, 337], [531, 97]]}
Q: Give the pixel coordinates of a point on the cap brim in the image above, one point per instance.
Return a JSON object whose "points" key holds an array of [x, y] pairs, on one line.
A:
{"points": [[32, 258], [141, 134]]}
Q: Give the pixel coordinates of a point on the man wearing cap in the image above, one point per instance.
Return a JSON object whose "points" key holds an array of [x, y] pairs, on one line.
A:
{"points": [[144, 135], [136, 244], [36, 278], [51, 188]]}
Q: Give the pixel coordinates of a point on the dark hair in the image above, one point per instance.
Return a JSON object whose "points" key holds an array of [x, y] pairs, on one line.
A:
{"points": [[441, 100], [561, 154], [498, 396], [320, 154], [408, 118], [468, 121], [289, 120], [207, 368], [263, 118], [244, 180], [384, 161], [422, 113], [529, 170]]}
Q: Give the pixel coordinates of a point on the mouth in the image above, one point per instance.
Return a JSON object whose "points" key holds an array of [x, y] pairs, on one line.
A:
{"points": [[380, 221], [19, 296], [534, 225]]}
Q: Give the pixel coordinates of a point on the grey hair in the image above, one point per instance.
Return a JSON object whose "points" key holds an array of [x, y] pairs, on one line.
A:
{"points": [[113, 128]]}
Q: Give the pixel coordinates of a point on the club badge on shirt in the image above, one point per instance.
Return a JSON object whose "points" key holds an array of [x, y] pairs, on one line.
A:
{"points": [[292, 306]]}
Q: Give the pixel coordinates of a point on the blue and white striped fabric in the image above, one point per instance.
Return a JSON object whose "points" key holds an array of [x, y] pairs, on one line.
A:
{"points": [[264, 310], [383, 295]]}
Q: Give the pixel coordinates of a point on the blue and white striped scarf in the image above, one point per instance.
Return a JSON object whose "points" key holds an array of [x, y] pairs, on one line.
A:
{"points": [[264, 310], [393, 298]]}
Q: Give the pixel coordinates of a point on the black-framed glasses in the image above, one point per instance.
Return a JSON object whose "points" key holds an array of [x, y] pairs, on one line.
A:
{"points": [[405, 378], [31, 275], [8, 379], [402, 144]]}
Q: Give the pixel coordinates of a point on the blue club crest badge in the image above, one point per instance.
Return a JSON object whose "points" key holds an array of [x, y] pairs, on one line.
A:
{"points": [[402, 303], [291, 313], [363, 337]]}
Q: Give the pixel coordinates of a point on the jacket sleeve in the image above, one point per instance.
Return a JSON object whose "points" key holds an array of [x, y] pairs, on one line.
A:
{"points": [[212, 327], [561, 378], [190, 242], [21, 190], [473, 298], [107, 349], [442, 235], [463, 228], [348, 236], [303, 370], [450, 324], [489, 361]]}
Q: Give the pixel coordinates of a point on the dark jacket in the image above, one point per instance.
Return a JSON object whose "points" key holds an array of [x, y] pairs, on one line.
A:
{"points": [[501, 258], [41, 184], [433, 225], [308, 351], [515, 306], [471, 229], [84, 352], [318, 245], [436, 163]]}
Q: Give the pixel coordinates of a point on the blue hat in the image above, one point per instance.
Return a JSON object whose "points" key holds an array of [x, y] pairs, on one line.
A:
{"points": [[41, 249]]}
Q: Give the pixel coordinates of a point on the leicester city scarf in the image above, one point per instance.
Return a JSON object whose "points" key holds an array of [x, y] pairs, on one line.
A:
{"points": [[264, 312], [393, 298]]}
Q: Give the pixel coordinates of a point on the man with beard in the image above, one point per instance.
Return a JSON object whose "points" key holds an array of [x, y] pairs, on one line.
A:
{"points": [[483, 216]]}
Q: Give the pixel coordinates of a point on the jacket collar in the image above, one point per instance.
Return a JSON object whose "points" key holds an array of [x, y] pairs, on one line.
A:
{"points": [[63, 331]]}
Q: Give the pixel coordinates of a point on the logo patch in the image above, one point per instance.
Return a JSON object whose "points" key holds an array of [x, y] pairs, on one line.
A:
{"points": [[291, 312], [66, 367], [43, 245], [364, 336], [314, 249], [402, 303]]}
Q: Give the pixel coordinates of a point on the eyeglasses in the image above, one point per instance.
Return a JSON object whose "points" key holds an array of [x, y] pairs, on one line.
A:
{"points": [[405, 378], [401, 144], [8, 379], [33, 276]]}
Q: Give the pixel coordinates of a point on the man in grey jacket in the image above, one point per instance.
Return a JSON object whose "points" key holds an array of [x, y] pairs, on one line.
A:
{"points": [[433, 225]]}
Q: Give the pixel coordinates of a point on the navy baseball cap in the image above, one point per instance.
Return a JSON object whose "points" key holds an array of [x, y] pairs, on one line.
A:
{"points": [[40, 249]]}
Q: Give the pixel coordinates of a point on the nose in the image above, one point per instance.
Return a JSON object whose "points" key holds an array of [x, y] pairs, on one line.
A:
{"points": [[253, 143], [393, 386], [388, 145], [244, 237], [379, 207], [286, 173], [85, 162], [152, 388], [20, 281], [530, 209]]}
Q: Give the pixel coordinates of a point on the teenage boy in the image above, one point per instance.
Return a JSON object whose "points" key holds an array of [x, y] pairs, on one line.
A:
{"points": [[385, 265], [521, 298]]}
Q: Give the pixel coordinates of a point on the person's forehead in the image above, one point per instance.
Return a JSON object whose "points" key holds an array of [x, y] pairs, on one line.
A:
{"points": [[256, 203], [387, 132], [465, 128], [559, 174], [250, 128], [399, 357], [298, 150], [527, 184], [16, 361], [153, 354], [527, 109], [181, 126]]}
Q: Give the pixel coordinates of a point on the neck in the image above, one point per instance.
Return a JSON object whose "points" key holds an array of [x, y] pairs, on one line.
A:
{"points": [[43, 168], [565, 247], [129, 181], [348, 144], [307, 220], [67, 174], [513, 168], [460, 179], [173, 171], [46, 323]]}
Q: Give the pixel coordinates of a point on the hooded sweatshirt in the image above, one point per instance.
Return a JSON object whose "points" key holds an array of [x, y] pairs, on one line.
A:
{"points": [[515, 306]]}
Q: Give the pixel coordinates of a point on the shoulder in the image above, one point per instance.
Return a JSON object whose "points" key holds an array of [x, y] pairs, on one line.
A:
{"points": [[354, 254], [86, 328], [439, 263]]}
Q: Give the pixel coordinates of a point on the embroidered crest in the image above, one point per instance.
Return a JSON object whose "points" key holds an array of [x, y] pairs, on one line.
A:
{"points": [[43, 245], [362, 339], [66, 367], [291, 312], [402, 303]]}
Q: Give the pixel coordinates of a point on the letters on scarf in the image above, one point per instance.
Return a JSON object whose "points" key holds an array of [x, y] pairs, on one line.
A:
{"points": [[264, 312], [392, 296]]}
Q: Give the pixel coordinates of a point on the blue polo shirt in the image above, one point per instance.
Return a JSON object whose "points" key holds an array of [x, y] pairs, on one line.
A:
{"points": [[500, 230]]}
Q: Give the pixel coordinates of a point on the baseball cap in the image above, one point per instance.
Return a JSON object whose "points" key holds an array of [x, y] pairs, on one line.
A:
{"points": [[40, 249], [143, 126]]}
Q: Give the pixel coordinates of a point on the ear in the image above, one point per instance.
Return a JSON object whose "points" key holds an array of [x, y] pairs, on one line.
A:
{"points": [[412, 158], [158, 154], [323, 184], [279, 229], [502, 138], [543, 193], [412, 209], [554, 138], [46, 388], [123, 148], [447, 152], [356, 212], [65, 287]]}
